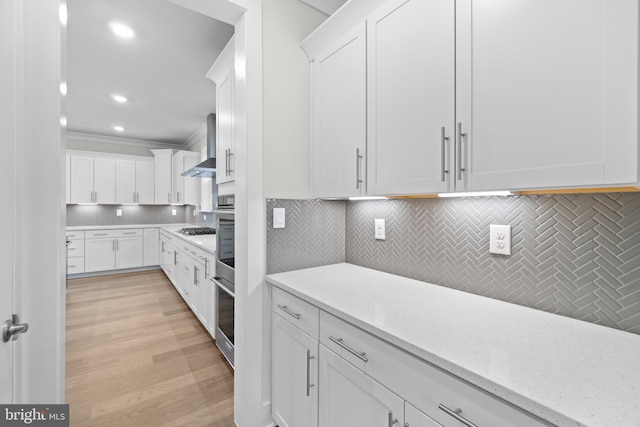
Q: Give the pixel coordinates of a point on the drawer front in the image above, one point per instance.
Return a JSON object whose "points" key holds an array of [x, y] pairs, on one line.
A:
{"points": [[296, 311], [423, 385], [75, 265], [133, 232], [75, 248], [75, 235], [100, 234]]}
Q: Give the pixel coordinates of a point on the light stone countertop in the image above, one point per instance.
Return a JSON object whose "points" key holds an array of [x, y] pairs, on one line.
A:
{"points": [[565, 371], [205, 242]]}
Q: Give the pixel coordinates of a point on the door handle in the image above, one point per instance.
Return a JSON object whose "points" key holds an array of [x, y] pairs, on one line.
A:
{"points": [[443, 167], [456, 414], [358, 177], [459, 153], [13, 328], [309, 385]]}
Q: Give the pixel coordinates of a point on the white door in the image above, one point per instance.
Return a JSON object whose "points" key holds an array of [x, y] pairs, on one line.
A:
{"points": [[99, 254], [163, 176], [81, 185], [339, 117], [295, 375], [224, 123], [201, 294], [125, 181], [349, 398], [129, 252], [32, 185], [411, 93], [547, 92], [104, 180]]}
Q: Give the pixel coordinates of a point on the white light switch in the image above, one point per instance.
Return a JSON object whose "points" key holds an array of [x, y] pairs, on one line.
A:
{"points": [[500, 239], [118, 212], [380, 229], [278, 217]]}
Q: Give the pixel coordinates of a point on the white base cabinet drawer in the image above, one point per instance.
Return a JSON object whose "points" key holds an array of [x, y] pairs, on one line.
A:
{"points": [[415, 418], [296, 311], [425, 386], [75, 265]]}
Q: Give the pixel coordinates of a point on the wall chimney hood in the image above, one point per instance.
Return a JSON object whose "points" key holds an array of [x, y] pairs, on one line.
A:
{"points": [[206, 169]]}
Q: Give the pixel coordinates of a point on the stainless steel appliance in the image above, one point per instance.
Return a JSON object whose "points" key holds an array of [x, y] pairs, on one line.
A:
{"points": [[225, 277]]}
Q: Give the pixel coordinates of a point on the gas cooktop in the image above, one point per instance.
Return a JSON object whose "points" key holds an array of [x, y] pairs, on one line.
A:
{"points": [[197, 231]]}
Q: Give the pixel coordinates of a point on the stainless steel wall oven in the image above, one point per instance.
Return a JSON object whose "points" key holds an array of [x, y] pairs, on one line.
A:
{"points": [[225, 279]]}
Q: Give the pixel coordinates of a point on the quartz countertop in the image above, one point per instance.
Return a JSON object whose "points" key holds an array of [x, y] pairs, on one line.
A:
{"points": [[206, 241], [565, 371]]}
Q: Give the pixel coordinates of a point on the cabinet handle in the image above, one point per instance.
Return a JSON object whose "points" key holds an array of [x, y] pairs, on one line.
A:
{"points": [[100, 234], [162, 247], [96, 200], [178, 196], [128, 233], [309, 385], [459, 153], [229, 169], [289, 312], [358, 158], [443, 140], [340, 342], [195, 275], [392, 420], [169, 197], [117, 245], [206, 268], [456, 414], [175, 258], [113, 245]]}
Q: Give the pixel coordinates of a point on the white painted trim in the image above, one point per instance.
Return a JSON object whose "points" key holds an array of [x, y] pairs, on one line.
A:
{"points": [[328, 7], [124, 141], [195, 138]]}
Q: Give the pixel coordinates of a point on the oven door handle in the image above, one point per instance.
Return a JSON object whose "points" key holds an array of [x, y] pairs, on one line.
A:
{"points": [[221, 286]]}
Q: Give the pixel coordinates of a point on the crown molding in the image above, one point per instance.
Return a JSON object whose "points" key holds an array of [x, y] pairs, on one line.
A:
{"points": [[197, 136], [124, 141]]}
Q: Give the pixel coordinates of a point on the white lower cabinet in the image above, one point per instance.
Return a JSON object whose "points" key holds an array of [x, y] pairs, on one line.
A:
{"points": [[295, 365], [113, 249], [350, 398], [100, 254], [129, 252], [415, 418], [151, 247], [363, 381]]}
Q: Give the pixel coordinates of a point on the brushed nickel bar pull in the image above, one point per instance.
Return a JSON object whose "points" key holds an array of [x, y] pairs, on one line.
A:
{"points": [[309, 385], [195, 275], [229, 168], [129, 232], [358, 172], [100, 234], [169, 198], [178, 195], [443, 140], [392, 420], [459, 153], [289, 312], [456, 414], [340, 342], [206, 268], [175, 257], [113, 245]]}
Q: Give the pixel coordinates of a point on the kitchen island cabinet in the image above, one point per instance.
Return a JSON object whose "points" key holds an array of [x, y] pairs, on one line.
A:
{"points": [[441, 350]]}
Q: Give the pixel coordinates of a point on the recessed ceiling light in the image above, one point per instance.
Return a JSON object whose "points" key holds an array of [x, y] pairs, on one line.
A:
{"points": [[63, 121], [119, 98], [121, 29], [118, 128], [62, 14], [63, 88]]}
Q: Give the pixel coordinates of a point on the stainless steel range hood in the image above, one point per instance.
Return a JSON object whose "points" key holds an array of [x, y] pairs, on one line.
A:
{"points": [[207, 169]]}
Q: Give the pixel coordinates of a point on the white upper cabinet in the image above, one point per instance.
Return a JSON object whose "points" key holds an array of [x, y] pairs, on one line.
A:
{"points": [[163, 176], [411, 93], [222, 73], [477, 95], [92, 180], [339, 117], [125, 181], [547, 93], [145, 182], [186, 190]]}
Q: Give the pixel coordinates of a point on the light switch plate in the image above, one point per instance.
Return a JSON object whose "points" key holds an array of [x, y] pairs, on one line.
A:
{"points": [[380, 229], [500, 239], [118, 212], [278, 217], [174, 212]]}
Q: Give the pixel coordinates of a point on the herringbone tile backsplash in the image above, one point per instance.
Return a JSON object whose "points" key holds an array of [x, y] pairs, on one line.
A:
{"points": [[574, 255]]}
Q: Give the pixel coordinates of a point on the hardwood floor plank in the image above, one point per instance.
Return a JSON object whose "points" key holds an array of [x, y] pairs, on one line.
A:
{"points": [[137, 356]]}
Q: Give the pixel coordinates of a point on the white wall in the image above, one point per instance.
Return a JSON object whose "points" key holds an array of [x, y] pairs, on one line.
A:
{"points": [[287, 98]]}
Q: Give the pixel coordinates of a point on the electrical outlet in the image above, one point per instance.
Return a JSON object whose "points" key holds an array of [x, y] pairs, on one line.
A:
{"points": [[500, 239], [278, 217], [379, 229], [118, 212], [174, 212], [205, 217]]}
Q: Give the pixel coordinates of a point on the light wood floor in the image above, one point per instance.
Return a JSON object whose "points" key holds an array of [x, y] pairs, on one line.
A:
{"points": [[137, 356]]}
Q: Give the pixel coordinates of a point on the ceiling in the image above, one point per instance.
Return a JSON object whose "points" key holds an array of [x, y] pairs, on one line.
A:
{"points": [[161, 70]]}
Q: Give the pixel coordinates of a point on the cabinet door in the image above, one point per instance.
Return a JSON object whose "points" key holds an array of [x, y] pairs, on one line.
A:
{"points": [[200, 294], [295, 376], [125, 181], [224, 124], [178, 179], [104, 178], [151, 246], [339, 117], [129, 252], [191, 185], [145, 183], [349, 398], [99, 254], [163, 172], [415, 418], [411, 94], [547, 92], [81, 185]]}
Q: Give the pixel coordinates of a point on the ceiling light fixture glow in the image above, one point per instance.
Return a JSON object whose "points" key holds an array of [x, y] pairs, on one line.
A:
{"points": [[477, 194], [118, 128], [121, 30], [63, 121], [63, 88], [119, 98], [62, 14]]}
